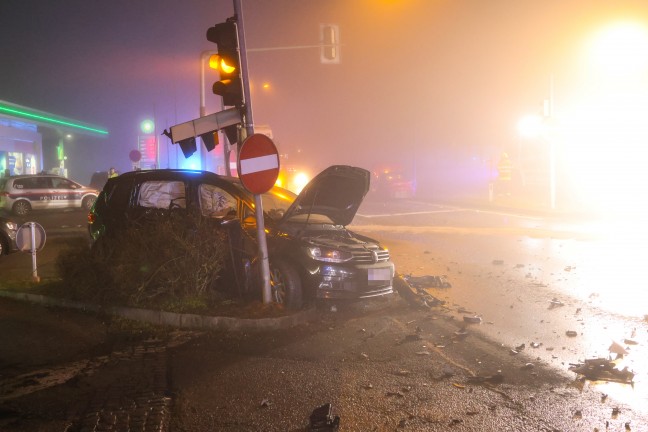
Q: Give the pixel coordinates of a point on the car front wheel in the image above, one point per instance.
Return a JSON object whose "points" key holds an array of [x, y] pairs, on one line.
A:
{"points": [[285, 285], [21, 208]]}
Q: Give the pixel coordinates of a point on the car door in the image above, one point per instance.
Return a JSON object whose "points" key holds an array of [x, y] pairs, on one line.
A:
{"points": [[63, 193], [41, 192]]}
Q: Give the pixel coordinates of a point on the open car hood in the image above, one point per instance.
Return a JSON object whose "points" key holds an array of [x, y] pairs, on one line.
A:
{"points": [[336, 192]]}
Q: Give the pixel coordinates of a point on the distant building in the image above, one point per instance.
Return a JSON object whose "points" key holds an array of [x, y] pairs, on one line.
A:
{"points": [[21, 138]]}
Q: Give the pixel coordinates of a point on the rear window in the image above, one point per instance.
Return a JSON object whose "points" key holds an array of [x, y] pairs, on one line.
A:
{"points": [[162, 194], [32, 183]]}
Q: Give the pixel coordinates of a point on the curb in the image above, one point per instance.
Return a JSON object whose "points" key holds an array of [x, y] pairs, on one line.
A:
{"points": [[186, 321]]}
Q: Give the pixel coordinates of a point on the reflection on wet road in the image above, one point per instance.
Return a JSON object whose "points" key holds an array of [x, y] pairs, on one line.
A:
{"points": [[508, 266]]}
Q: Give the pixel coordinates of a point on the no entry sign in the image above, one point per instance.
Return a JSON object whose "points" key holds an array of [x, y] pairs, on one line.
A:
{"points": [[258, 163]]}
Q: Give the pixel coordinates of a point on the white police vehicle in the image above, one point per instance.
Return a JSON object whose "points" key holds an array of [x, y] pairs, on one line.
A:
{"points": [[23, 193]]}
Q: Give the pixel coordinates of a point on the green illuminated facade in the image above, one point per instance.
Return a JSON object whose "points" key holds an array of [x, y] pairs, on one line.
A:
{"points": [[21, 142]]}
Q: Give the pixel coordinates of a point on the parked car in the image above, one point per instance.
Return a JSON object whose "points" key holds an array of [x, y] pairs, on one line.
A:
{"points": [[8, 229], [98, 179], [312, 255], [394, 183], [23, 193]]}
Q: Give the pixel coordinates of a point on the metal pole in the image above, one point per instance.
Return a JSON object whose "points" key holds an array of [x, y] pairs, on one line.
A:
{"points": [[248, 123], [32, 227], [552, 147]]}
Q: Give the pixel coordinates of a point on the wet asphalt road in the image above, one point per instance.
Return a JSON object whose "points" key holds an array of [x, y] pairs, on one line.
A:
{"points": [[383, 367]]}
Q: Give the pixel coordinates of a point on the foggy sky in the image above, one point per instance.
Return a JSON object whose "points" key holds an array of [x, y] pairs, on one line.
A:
{"points": [[419, 81]]}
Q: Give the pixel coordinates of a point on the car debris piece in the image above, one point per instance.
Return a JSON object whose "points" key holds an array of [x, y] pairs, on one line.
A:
{"points": [[472, 319], [602, 369], [428, 281], [322, 419], [571, 333], [496, 378], [410, 338], [630, 342], [554, 303], [265, 403], [616, 348]]}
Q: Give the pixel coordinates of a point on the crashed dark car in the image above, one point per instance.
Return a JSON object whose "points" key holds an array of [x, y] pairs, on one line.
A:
{"points": [[312, 255]]}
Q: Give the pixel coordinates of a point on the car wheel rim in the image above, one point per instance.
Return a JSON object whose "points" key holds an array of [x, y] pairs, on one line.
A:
{"points": [[278, 286], [21, 209]]}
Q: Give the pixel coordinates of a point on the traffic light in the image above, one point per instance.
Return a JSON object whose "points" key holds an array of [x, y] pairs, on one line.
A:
{"points": [[330, 43], [227, 62], [188, 146]]}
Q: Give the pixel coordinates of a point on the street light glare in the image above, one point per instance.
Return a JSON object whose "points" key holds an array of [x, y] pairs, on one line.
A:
{"points": [[530, 126], [620, 49]]}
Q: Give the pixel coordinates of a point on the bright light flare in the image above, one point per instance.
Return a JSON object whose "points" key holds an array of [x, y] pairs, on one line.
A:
{"points": [[300, 181], [603, 137], [620, 49], [530, 126]]}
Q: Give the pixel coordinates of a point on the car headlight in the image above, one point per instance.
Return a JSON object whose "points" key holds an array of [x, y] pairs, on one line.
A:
{"points": [[328, 254], [13, 226]]}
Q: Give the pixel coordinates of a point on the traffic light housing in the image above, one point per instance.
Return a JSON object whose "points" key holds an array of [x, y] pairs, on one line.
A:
{"points": [[227, 62]]}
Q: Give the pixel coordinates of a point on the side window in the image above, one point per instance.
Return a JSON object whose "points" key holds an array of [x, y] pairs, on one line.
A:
{"points": [[61, 183], [162, 194], [215, 202], [41, 183]]}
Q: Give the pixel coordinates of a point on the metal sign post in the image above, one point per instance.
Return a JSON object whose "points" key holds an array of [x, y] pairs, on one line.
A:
{"points": [[248, 124], [31, 238]]}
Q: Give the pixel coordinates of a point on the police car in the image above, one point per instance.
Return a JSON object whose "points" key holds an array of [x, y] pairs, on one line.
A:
{"points": [[23, 193]]}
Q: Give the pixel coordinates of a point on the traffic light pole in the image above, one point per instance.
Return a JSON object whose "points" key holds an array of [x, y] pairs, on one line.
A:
{"points": [[248, 125]]}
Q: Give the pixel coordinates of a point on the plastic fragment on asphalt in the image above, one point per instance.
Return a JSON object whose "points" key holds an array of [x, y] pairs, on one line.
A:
{"points": [[322, 419], [571, 333], [497, 378], [616, 348], [630, 342], [472, 319], [602, 369], [458, 385], [428, 281], [265, 403], [554, 303]]}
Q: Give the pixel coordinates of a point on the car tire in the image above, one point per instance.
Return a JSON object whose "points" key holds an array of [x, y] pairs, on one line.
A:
{"points": [[285, 285], [21, 208], [88, 202]]}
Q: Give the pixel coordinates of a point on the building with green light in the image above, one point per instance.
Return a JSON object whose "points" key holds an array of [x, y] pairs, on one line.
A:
{"points": [[21, 138]]}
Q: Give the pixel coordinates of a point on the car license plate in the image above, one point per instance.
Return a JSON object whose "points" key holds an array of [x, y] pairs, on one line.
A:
{"points": [[379, 274]]}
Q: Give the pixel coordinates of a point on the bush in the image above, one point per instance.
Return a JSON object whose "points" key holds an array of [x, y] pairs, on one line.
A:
{"points": [[169, 259]]}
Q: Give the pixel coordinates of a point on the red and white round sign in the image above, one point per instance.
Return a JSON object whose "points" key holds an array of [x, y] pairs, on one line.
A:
{"points": [[258, 163]]}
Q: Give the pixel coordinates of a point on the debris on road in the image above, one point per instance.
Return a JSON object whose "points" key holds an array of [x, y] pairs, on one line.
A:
{"points": [[322, 419], [472, 319], [616, 348], [602, 369], [428, 281], [414, 295], [571, 333], [554, 303], [497, 378], [410, 338]]}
